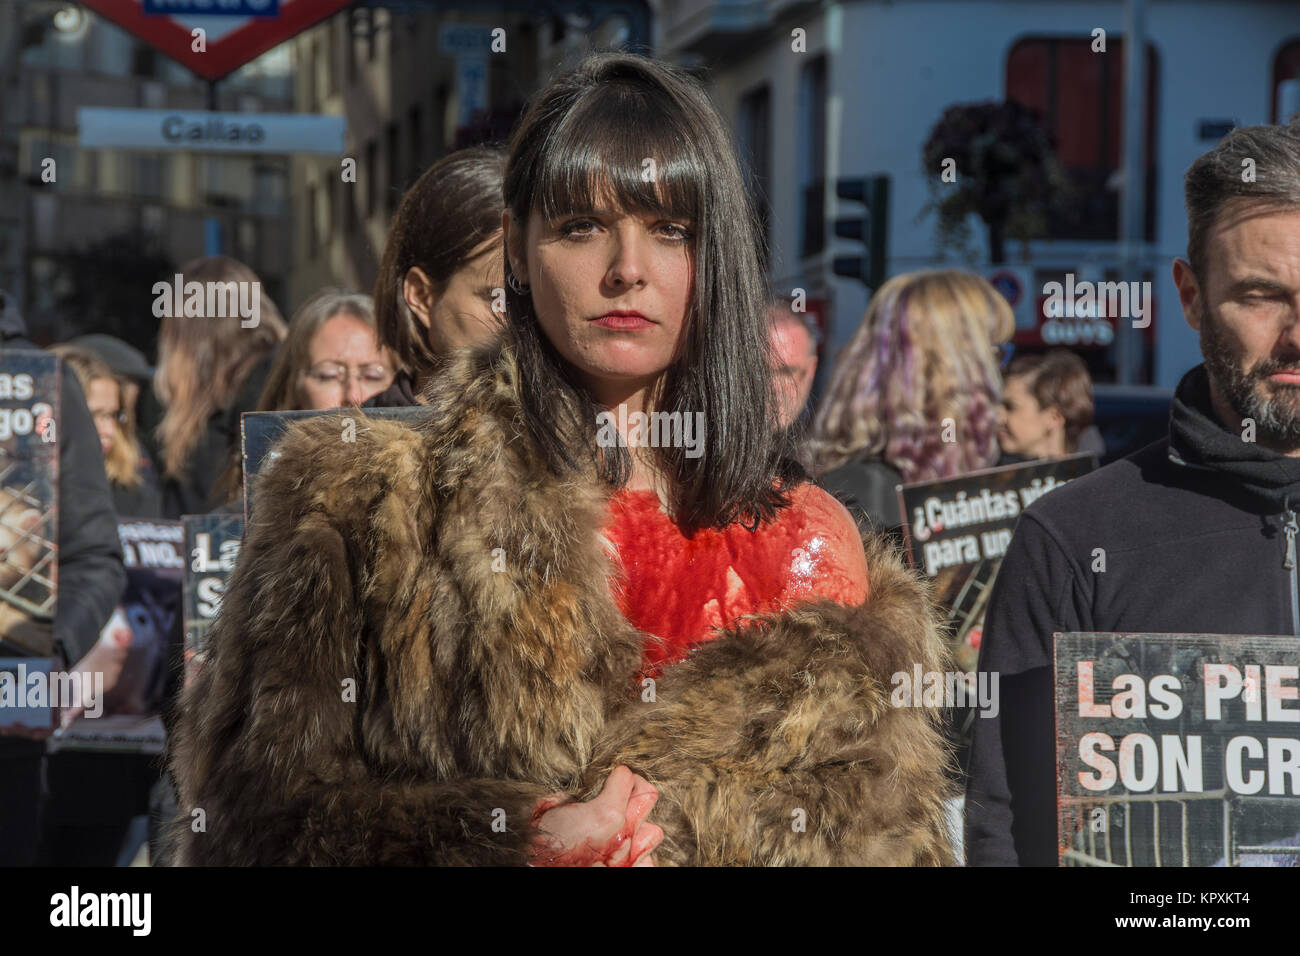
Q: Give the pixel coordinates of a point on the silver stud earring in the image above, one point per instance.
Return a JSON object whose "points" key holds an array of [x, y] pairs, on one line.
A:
{"points": [[515, 284]]}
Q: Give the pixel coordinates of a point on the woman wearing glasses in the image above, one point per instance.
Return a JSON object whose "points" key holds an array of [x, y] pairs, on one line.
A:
{"points": [[331, 358]]}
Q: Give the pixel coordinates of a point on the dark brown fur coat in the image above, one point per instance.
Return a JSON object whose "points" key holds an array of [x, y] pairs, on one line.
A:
{"points": [[370, 564]]}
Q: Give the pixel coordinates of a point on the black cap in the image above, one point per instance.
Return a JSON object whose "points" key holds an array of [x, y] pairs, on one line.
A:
{"points": [[123, 359]]}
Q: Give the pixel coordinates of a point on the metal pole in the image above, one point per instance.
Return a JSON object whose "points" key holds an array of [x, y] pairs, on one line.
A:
{"points": [[1132, 219], [212, 96]]}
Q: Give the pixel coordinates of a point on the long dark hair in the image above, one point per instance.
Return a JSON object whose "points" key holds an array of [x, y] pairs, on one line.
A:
{"points": [[587, 133], [451, 211]]}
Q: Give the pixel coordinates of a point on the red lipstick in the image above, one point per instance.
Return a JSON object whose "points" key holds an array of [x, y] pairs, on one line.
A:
{"points": [[623, 321]]}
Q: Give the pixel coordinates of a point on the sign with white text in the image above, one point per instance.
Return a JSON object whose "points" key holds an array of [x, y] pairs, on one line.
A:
{"points": [[213, 38], [1178, 749]]}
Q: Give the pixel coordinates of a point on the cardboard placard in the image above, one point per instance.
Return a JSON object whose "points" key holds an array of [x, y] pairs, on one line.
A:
{"points": [[30, 405], [957, 530], [1178, 749], [153, 552], [212, 545]]}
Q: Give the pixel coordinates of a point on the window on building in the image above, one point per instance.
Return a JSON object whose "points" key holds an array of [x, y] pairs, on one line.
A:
{"points": [[755, 134], [153, 223], [349, 207], [248, 248], [331, 219], [372, 178], [811, 156], [350, 44], [415, 130], [149, 175], [310, 75], [1079, 95], [1286, 82], [313, 221], [144, 61], [331, 36], [394, 181], [441, 100]]}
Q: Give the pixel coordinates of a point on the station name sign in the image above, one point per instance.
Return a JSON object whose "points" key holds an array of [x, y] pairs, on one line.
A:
{"points": [[123, 128]]}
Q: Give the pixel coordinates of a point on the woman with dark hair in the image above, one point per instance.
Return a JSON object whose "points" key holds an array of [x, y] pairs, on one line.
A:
{"points": [[440, 285], [210, 369], [587, 580]]}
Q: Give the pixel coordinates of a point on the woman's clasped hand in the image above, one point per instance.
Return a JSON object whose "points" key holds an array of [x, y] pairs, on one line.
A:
{"points": [[611, 829]]}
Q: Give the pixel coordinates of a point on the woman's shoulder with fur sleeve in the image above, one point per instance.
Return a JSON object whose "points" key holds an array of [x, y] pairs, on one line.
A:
{"points": [[340, 465]]}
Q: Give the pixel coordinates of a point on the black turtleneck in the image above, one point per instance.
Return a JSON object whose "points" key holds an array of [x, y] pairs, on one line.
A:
{"points": [[1194, 531]]}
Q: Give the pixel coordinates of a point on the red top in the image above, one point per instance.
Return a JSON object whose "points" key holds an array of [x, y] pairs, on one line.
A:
{"points": [[681, 588]]}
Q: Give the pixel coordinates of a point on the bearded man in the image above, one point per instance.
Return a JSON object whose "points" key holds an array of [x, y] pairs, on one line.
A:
{"points": [[1198, 529]]}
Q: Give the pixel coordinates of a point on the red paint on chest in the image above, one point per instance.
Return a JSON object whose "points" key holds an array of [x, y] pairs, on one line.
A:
{"points": [[680, 588]]}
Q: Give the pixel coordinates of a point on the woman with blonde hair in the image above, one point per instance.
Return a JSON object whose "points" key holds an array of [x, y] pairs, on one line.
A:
{"points": [[210, 368], [134, 492], [914, 395]]}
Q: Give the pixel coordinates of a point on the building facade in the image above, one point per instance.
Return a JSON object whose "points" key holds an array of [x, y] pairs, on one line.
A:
{"points": [[69, 205], [859, 89]]}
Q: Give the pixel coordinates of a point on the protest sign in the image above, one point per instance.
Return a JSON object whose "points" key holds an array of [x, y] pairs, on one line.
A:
{"points": [[957, 530], [1178, 749], [142, 624], [212, 544], [30, 398]]}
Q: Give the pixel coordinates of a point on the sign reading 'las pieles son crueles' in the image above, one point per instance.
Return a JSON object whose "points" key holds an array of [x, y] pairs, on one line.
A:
{"points": [[1178, 749]]}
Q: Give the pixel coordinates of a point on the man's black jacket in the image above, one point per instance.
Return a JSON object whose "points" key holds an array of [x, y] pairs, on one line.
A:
{"points": [[1193, 531], [91, 575]]}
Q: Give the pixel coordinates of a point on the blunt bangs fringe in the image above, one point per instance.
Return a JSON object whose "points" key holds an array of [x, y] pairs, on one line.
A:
{"points": [[597, 158]]}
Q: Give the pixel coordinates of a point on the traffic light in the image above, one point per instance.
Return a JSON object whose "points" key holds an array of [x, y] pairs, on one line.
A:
{"points": [[871, 229]]}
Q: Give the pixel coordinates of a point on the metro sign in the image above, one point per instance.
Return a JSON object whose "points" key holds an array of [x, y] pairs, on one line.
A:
{"points": [[231, 40]]}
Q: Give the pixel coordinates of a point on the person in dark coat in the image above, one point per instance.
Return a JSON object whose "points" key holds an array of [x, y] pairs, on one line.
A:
{"points": [[1198, 529], [91, 578]]}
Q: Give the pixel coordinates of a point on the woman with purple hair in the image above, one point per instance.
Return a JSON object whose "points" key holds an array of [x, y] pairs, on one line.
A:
{"points": [[914, 395]]}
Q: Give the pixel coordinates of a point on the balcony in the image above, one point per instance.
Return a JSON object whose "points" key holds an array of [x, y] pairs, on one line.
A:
{"points": [[719, 29]]}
